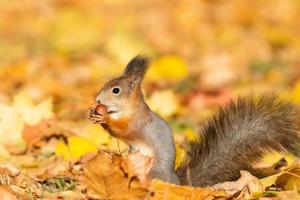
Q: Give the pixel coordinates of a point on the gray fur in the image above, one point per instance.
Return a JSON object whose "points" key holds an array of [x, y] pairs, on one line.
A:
{"points": [[156, 133], [237, 137], [159, 135]]}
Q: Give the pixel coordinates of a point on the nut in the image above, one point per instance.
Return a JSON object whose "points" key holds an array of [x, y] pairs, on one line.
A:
{"points": [[101, 109]]}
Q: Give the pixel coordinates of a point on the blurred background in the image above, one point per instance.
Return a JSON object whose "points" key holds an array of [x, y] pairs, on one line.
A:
{"points": [[56, 54]]}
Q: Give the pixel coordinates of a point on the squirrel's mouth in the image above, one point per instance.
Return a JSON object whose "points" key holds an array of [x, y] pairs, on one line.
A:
{"points": [[112, 110]]}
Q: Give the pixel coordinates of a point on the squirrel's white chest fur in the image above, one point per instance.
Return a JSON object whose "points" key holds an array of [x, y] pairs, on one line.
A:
{"points": [[116, 115], [142, 148]]}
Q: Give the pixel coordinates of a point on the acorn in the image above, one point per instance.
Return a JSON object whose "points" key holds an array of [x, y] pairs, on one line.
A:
{"points": [[101, 109]]}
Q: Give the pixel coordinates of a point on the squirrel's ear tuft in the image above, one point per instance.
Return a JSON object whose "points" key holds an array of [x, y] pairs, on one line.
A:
{"points": [[137, 67]]}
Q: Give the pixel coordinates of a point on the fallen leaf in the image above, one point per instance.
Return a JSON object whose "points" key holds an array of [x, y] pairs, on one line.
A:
{"points": [[136, 164], [95, 134], [23, 111], [162, 190], [57, 168], [290, 195], [168, 68], [75, 148], [217, 71], [117, 146], [62, 150], [32, 113], [164, 102], [190, 134], [18, 182], [11, 125], [79, 146], [180, 155], [289, 179], [275, 157], [246, 183], [7, 194], [296, 93], [106, 179], [33, 134]]}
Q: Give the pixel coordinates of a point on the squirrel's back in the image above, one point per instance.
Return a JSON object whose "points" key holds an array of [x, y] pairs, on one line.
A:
{"points": [[237, 137]]}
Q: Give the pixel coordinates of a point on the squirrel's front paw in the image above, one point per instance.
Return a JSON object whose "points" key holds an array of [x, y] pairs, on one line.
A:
{"points": [[96, 117]]}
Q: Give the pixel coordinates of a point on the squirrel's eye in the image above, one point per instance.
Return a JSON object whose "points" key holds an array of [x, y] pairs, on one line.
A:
{"points": [[116, 90]]}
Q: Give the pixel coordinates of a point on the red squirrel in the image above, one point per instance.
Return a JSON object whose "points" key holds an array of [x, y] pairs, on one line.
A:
{"points": [[232, 140]]}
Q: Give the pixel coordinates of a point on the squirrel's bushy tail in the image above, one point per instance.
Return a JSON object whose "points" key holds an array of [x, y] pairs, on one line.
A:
{"points": [[237, 137]]}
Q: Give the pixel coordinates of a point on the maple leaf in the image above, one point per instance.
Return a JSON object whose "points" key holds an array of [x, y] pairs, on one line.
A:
{"points": [[106, 178], [11, 125], [14, 118], [31, 113]]}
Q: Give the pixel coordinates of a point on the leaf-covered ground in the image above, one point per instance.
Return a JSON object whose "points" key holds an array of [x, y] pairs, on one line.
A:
{"points": [[56, 54]]}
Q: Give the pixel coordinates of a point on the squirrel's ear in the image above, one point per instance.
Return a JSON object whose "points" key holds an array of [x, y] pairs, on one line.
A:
{"points": [[136, 69]]}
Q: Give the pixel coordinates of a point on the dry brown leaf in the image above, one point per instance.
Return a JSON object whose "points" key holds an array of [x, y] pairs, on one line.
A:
{"points": [[105, 177], [33, 134], [19, 182], [136, 164], [115, 177], [290, 195], [247, 183], [7, 194], [58, 168], [161, 190]]}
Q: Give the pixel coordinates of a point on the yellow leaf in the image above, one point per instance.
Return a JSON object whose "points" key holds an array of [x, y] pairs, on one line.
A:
{"points": [[171, 68], [296, 93], [289, 179], [270, 159], [124, 45], [96, 134], [104, 71], [180, 155], [117, 145], [277, 36], [30, 112], [275, 157], [79, 146], [269, 180], [190, 134], [62, 150], [164, 103], [74, 32], [293, 183], [4, 154], [163, 190], [11, 125], [275, 76]]}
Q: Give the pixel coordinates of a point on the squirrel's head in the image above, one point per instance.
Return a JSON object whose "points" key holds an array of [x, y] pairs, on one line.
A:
{"points": [[119, 94]]}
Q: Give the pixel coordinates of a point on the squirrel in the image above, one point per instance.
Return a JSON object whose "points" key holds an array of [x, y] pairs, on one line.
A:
{"points": [[232, 140]]}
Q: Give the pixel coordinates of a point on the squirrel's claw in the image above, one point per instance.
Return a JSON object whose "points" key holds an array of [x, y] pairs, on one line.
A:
{"points": [[98, 120], [96, 117]]}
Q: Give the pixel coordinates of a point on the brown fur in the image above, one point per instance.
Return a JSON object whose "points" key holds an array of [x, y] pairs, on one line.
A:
{"points": [[120, 129]]}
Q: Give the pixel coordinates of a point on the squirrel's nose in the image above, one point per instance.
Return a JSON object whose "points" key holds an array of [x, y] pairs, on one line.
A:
{"points": [[98, 100]]}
